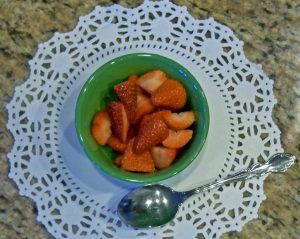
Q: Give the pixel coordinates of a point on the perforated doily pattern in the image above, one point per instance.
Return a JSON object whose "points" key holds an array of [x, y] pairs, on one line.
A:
{"points": [[76, 200]]}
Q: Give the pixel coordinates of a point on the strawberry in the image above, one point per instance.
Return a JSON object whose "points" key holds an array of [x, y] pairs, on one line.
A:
{"points": [[118, 160], [150, 81], [127, 93], [180, 120], [171, 94], [162, 157], [144, 106], [116, 144], [119, 120], [177, 139], [152, 131], [101, 127], [137, 162]]}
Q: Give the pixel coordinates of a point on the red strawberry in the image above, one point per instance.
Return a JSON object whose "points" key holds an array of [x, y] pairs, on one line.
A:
{"points": [[119, 120], [150, 81], [137, 162], [127, 93], [171, 94], [101, 127], [115, 143], [144, 106], [162, 157], [177, 139], [152, 131], [180, 120]]}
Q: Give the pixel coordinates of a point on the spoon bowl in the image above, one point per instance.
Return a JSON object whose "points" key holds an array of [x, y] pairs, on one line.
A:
{"points": [[159, 201]]}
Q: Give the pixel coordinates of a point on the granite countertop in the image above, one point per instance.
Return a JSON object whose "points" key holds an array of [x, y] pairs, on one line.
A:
{"points": [[271, 32]]}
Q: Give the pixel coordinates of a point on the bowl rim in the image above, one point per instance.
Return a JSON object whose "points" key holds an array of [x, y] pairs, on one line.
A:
{"points": [[155, 177]]}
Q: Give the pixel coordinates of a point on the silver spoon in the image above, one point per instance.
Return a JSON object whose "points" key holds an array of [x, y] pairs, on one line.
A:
{"points": [[155, 205]]}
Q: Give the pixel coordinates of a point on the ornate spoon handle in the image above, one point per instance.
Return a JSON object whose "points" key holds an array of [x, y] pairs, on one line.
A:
{"points": [[279, 162]]}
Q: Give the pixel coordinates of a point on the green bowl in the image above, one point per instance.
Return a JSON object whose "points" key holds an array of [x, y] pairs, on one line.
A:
{"points": [[98, 91]]}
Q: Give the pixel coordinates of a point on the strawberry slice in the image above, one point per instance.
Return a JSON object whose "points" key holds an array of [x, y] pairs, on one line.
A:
{"points": [[177, 139], [171, 94], [115, 143], [101, 127], [162, 157], [144, 106], [137, 162], [119, 120], [152, 80], [127, 93], [152, 131], [180, 120]]}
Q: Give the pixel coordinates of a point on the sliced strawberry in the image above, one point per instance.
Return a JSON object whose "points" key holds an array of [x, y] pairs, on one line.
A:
{"points": [[101, 127], [162, 157], [116, 144], [171, 94], [144, 106], [178, 139], [119, 120], [152, 131], [118, 160], [150, 81], [137, 162], [180, 120], [127, 93]]}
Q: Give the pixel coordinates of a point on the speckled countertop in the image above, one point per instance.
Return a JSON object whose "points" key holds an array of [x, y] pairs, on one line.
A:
{"points": [[271, 32]]}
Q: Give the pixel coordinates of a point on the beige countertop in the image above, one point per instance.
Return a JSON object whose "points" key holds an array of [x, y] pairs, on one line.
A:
{"points": [[271, 33]]}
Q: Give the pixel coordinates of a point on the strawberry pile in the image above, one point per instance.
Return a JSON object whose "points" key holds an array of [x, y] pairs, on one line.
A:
{"points": [[146, 126]]}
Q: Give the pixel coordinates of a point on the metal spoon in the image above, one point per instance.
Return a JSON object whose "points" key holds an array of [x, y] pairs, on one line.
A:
{"points": [[155, 205]]}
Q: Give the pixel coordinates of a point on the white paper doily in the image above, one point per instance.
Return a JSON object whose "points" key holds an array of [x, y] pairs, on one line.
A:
{"points": [[73, 197]]}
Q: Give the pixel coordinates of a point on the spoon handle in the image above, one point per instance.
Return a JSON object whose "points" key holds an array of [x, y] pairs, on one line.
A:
{"points": [[279, 162]]}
